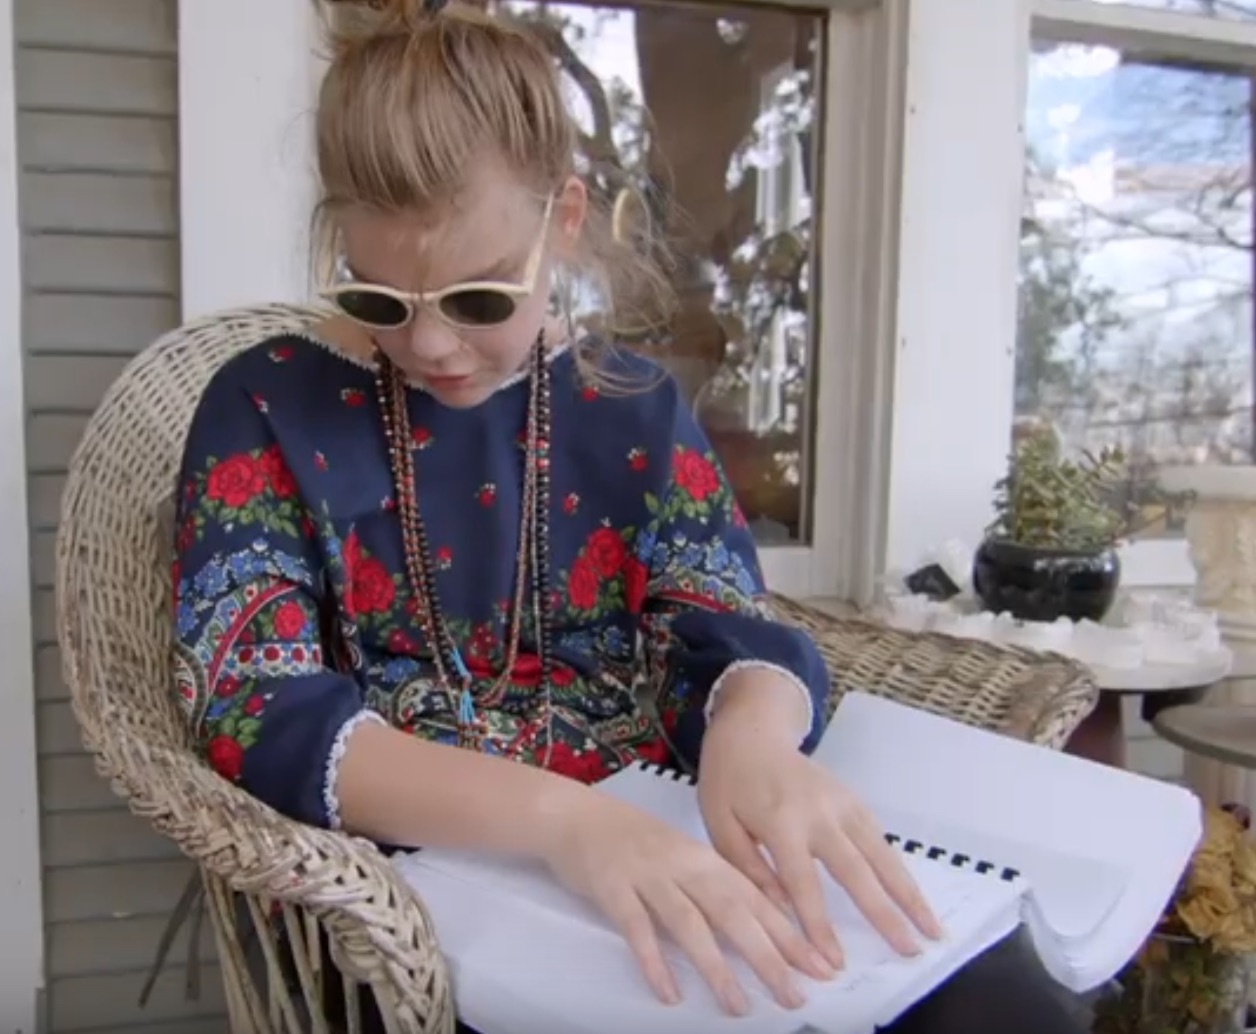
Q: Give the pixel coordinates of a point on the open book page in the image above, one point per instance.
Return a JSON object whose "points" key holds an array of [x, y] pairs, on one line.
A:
{"points": [[510, 929], [1078, 893], [1079, 890], [1096, 845]]}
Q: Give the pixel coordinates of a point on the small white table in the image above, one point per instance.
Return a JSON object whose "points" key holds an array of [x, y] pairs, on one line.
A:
{"points": [[1160, 683], [1162, 687], [1225, 734], [1155, 679]]}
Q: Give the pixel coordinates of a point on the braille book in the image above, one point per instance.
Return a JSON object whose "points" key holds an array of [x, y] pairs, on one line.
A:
{"points": [[1000, 835]]}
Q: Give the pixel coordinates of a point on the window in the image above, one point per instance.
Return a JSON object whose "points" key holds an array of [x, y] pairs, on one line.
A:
{"points": [[1239, 9], [768, 158], [1135, 321], [704, 121]]}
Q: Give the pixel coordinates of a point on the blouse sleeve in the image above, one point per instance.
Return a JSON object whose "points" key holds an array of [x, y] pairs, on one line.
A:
{"points": [[264, 709], [706, 613]]}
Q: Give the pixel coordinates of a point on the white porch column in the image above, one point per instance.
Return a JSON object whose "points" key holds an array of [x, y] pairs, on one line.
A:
{"points": [[1221, 530], [246, 191], [22, 940]]}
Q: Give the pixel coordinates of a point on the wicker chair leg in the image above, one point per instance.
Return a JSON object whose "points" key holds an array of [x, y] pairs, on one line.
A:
{"points": [[245, 1002], [281, 976]]}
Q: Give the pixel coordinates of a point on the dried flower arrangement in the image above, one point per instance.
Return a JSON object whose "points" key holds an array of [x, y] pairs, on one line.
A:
{"points": [[1191, 976], [1217, 901]]}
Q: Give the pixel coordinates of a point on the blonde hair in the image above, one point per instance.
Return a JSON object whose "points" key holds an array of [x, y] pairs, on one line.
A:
{"points": [[412, 100]]}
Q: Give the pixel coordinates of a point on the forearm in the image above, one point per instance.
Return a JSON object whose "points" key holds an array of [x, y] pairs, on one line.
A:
{"points": [[397, 789]]}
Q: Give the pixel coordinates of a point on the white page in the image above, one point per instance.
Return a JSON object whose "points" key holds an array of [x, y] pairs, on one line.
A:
{"points": [[520, 968], [1127, 837], [511, 931], [490, 911], [1079, 893]]}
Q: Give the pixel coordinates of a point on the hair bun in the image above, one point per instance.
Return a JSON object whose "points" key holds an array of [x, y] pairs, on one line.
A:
{"points": [[348, 24], [401, 12]]}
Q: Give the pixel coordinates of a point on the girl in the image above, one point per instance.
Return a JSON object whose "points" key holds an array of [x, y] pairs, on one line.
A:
{"points": [[428, 553]]}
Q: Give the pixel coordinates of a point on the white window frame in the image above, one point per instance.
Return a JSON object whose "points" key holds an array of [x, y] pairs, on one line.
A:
{"points": [[247, 187], [949, 421]]}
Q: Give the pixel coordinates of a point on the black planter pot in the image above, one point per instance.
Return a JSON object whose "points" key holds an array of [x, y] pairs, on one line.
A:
{"points": [[1045, 584]]}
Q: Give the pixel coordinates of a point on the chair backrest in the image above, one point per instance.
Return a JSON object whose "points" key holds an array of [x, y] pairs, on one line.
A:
{"points": [[115, 543]]}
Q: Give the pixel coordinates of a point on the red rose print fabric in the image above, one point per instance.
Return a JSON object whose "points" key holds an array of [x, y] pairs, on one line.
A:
{"points": [[293, 615]]}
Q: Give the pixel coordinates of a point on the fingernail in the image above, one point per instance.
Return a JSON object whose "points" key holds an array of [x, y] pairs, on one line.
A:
{"points": [[910, 948], [793, 998], [671, 993], [734, 999], [820, 966], [835, 957]]}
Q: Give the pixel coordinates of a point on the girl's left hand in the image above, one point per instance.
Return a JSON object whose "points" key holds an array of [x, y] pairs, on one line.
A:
{"points": [[759, 793]]}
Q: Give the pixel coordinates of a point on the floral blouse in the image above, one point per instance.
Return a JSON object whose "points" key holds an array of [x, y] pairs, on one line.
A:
{"points": [[294, 620]]}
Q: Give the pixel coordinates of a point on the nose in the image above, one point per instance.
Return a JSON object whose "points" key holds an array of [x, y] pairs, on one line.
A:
{"points": [[432, 342]]}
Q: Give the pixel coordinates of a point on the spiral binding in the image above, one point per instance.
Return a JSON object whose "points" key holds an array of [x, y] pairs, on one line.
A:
{"points": [[934, 853], [667, 772], [957, 859]]}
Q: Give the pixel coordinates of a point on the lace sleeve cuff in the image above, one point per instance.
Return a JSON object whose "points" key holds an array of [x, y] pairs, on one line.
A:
{"points": [[331, 800], [785, 673]]}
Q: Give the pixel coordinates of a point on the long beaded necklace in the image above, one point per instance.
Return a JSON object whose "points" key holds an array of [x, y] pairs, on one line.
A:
{"points": [[532, 557]]}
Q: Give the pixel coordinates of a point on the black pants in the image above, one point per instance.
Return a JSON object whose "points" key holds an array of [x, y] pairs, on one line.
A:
{"points": [[1004, 991]]}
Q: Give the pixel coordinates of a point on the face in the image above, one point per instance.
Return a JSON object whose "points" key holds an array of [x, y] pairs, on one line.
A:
{"points": [[497, 232]]}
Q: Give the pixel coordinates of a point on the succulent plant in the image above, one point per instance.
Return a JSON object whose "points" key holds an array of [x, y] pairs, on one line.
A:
{"points": [[1047, 501]]}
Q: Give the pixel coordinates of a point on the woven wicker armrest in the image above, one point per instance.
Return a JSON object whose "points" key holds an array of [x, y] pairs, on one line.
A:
{"points": [[1034, 696], [285, 881], [270, 884]]}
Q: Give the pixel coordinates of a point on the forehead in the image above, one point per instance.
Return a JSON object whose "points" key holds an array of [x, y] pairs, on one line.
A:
{"points": [[489, 227]]}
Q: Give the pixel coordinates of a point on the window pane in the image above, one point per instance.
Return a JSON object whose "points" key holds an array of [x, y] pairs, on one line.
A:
{"points": [[1239, 9], [723, 167], [1136, 262]]}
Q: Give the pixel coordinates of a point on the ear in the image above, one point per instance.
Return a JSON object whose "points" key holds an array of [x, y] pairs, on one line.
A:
{"points": [[571, 208]]}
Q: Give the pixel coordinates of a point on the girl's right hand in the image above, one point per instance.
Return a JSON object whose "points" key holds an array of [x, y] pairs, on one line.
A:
{"points": [[648, 877]]}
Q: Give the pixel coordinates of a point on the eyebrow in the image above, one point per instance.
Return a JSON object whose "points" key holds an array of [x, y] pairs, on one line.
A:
{"points": [[500, 269]]}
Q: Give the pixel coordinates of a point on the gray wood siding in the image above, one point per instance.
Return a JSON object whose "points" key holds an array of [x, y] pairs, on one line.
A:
{"points": [[98, 148]]}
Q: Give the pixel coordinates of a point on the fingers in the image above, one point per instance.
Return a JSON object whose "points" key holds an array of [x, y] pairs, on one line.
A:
{"points": [[732, 841], [793, 945], [894, 877], [761, 934], [851, 868], [677, 913], [735, 844], [629, 914], [798, 875]]}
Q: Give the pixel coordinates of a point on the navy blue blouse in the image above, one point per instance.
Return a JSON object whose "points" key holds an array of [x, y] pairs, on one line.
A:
{"points": [[294, 619]]}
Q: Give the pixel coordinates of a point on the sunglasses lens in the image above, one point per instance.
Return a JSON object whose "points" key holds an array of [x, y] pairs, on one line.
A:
{"points": [[374, 308], [478, 308]]}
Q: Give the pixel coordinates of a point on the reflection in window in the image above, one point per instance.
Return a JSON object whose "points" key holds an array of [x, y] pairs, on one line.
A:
{"points": [[1238, 9], [700, 120], [1136, 262]]}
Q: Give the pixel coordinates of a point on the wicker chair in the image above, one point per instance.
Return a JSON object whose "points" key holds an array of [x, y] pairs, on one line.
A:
{"points": [[261, 873]]}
